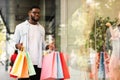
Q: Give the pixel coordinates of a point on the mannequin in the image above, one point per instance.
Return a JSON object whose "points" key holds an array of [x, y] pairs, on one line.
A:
{"points": [[114, 67]]}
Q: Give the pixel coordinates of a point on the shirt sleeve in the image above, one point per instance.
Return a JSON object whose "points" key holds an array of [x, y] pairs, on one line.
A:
{"points": [[16, 38]]}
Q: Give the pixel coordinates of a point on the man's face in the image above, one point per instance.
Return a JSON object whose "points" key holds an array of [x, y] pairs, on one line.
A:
{"points": [[34, 14]]}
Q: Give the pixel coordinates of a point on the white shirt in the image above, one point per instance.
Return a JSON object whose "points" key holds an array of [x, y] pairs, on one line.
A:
{"points": [[33, 42]]}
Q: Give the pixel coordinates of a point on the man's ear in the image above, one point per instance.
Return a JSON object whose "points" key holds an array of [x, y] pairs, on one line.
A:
{"points": [[29, 13]]}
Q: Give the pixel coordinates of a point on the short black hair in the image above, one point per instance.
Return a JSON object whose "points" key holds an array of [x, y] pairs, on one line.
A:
{"points": [[35, 6]]}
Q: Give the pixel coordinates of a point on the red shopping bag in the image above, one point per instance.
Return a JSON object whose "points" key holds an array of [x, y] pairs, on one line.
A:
{"points": [[64, 66], [49, 67]]}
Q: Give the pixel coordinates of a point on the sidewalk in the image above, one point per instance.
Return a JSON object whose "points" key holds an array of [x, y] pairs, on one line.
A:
{"points": [[4, 75]]}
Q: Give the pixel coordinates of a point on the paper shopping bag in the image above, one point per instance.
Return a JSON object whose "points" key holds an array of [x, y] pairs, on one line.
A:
{"points": [[49, 67], [13, 76], [59, 67], [17, 67], [24, 73], [64, 66], [31, 69], [20, 66]]}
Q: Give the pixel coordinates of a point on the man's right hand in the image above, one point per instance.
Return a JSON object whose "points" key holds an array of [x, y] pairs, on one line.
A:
{"points": [[108, 24], [19, 46]]}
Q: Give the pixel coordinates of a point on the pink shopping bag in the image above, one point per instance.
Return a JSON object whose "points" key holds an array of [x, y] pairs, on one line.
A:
{"points": [[49, 67]]}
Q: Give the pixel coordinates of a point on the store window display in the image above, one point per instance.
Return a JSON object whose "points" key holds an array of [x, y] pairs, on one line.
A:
{"points": [[115, 56]]}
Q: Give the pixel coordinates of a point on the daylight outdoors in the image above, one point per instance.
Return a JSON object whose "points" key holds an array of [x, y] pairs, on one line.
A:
{"points": [[80, 32]]}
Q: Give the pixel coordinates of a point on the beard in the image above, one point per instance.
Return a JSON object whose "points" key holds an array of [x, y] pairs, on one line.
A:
{"points": [[35, 19]]}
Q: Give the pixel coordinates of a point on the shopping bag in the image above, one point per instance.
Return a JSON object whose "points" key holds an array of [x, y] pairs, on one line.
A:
{"points": [[59, 67], [24, 73], [12, 60], [20, 67], [64, 67], [31, 69], [49, 67], [17, 67], [13, 76]]}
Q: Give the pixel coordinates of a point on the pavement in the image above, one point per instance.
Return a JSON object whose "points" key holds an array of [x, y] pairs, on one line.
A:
{"points": [[75, 74], [4, 75]]}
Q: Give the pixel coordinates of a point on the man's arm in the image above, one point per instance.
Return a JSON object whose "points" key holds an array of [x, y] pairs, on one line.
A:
{"points": [[17, 38]]}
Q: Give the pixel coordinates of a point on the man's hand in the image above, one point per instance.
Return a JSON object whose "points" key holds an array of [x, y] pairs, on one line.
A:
{"points": [[19, 46], [108, 24]]}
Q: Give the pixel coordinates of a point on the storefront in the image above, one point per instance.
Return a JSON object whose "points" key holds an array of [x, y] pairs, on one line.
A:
{"points": [[83, 35]]}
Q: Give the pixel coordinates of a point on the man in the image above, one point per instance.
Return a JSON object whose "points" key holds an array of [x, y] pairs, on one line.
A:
{"points": [[30, 35]]}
